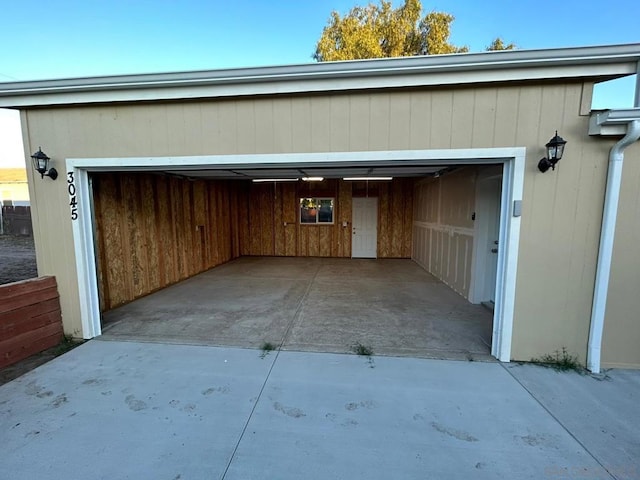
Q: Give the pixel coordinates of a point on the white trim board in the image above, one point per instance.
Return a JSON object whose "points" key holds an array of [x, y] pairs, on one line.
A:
{"points": [[513, 160]]}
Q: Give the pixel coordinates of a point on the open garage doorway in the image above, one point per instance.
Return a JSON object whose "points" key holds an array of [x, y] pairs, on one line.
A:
{"points": [[234, 219]]}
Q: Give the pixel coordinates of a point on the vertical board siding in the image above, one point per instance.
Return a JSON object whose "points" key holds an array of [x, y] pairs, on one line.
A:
{"points": [[443, 228]]}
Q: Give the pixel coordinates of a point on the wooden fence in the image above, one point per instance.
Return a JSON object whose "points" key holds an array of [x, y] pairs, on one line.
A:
{"points": [[30, 318], [16, 220]]}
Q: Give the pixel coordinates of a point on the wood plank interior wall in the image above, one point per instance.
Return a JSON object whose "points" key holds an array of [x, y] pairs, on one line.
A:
{"points": [[443, 227], [155, 230]]}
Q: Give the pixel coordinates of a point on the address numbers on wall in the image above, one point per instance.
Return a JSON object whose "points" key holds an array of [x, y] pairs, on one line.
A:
{"points": [[73, 199]]}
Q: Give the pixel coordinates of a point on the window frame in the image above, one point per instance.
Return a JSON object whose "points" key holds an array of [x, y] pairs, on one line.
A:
{"points": [[317, 201]]}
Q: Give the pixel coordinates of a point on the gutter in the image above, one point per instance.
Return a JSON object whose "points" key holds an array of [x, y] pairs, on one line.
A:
{"points": [[607, 232]]}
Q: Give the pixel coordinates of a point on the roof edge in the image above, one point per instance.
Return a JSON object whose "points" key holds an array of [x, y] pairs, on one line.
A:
{"points": [[594, 61]]}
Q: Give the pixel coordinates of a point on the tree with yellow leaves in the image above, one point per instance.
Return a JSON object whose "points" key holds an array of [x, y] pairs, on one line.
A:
{"points": [[377, 31]]}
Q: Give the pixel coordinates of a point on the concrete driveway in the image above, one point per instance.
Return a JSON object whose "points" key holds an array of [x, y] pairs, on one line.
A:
{"points": [[126, 410]]}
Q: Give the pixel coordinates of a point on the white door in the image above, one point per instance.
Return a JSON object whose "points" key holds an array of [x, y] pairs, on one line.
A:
{"points": [[486, 236], [364, 225]]}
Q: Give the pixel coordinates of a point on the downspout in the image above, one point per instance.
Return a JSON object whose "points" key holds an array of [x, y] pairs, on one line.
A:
{"points": [[607, 233]]}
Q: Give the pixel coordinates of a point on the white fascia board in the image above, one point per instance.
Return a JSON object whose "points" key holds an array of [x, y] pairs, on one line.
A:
{"points": [[612, 122], [514, 65]]}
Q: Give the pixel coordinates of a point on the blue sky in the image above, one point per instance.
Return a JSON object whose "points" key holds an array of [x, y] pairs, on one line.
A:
{"points": [[43, 39]]}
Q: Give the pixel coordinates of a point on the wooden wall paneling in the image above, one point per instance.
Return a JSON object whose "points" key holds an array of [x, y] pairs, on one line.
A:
{"points": [[163, 229], [267, 220], [234, 194], [214, 222], [140, 236], [151, 234], [313, 237], [407, 211], [344, 214], [190, 225], [278, 221], [128, 199], [396, 207], [176, 217], [225, 227], [384, 233], [199, 216], [303, 240], [290, 215], [243, 218], [255, 224], [97, 182], [326, 240]]}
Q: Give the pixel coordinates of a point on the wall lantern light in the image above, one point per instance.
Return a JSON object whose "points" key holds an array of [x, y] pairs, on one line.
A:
{"points": [[40, 164], [555, 149]]}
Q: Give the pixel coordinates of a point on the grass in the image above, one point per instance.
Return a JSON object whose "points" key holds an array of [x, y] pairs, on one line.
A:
{"points": [[560, 360]]}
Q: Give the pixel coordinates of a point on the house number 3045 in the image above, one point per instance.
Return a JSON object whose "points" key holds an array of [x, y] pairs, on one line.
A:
{"points": [[73, 200]]}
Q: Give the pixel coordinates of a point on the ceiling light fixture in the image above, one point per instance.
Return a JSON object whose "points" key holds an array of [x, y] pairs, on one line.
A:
{"points": [[312, 179], [264, 180], [362, 179]]}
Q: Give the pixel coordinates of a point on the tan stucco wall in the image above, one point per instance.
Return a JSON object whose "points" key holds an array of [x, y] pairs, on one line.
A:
{"points": [[561, 210], [621, 336]]}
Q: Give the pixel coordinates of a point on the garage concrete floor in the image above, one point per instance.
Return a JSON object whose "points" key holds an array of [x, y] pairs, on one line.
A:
{"points": [[311, 304]]}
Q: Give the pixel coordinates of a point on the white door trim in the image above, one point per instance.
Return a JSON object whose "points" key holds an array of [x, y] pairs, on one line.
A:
{"points": [[513, 159]]}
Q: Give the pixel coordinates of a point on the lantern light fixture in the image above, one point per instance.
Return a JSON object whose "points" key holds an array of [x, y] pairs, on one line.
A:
{"points": [[555, 150], [41, 164]]}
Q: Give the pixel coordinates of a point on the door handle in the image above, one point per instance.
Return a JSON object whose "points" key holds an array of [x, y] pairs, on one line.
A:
{"points": [[494, 250]]}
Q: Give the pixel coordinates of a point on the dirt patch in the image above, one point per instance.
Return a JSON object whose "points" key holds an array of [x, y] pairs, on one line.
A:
{"points": [[18, 369], [17, 259]]}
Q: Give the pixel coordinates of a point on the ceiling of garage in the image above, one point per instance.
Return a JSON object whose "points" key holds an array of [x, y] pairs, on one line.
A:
{"points": [[294, 172]]}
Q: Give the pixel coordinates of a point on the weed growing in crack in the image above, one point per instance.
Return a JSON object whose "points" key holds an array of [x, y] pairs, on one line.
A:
{"points": [[266, 347], [560, 360], [364, 351]]}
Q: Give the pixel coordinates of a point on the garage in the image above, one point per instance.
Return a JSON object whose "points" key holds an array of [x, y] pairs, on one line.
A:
{"points": [[156, 190], [305, 257]]}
